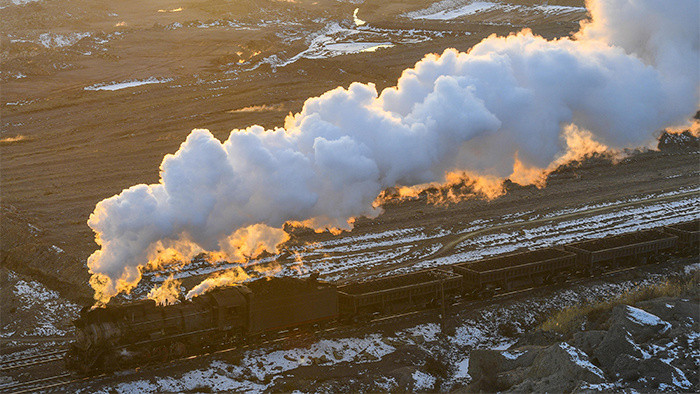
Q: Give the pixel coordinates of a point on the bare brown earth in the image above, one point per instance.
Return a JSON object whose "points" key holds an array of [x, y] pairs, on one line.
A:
{"points": [[64, 148]]}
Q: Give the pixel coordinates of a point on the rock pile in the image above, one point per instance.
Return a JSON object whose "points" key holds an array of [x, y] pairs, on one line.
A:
{"points": [[654, 346]]}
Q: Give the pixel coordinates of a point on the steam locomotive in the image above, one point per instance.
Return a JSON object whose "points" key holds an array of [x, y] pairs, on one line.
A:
{"points": [[121, 336]]}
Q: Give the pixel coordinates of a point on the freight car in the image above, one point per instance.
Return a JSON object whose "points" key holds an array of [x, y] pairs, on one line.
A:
{"points": [[397, 293], [119, 336], [688, 234], [596, 255], [284, 303], [485, 277]]}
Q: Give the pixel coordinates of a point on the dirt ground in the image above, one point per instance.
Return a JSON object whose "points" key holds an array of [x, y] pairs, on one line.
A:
{"points": [[65, 144]]}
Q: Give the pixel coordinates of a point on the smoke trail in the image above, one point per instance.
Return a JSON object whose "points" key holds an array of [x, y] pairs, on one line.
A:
{"points": [[499, 110]]}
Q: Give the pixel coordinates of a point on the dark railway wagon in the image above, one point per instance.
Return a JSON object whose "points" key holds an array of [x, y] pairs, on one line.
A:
{"points": [[514, 270], [688, 234], [283, 303], [396, 293], [594, 255]]}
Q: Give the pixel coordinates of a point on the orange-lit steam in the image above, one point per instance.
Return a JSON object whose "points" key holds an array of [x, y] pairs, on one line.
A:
{"points": [[267, 270], [168, 293], [227, 278], [253, 240]]}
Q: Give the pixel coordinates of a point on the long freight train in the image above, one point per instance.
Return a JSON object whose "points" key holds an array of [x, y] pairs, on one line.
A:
{"points": [[121, 336]]}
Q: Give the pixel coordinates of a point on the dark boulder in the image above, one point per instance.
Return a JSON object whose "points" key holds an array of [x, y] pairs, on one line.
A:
{"points": [[560, 368], [587, 341], [658, 372], [484, 367], [670, 309], [642, 325], [626, 367], [617, 341]]}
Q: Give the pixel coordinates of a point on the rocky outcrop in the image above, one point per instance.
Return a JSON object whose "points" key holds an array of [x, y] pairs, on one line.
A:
{"points": [[639, 349]]}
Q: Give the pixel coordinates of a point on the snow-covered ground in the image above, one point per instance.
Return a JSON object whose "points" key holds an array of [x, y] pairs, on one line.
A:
{"points": [[453, 9], [335, 39], [128, 84], [36, 311]]}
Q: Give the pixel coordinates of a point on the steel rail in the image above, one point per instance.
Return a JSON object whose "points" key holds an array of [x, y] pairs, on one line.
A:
{"points": [[22, 362]]}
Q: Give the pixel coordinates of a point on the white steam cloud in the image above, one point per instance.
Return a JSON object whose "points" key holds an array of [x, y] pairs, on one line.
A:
{"points": [[629, 72]]}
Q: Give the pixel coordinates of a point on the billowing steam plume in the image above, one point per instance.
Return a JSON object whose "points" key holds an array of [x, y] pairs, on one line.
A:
{"points": [[223, 279], [499, 110]]}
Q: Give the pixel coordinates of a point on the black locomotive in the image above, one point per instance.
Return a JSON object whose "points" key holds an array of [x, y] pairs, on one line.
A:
{"points": [[120, 336]]}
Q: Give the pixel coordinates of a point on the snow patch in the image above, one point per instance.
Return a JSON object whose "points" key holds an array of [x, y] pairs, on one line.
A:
{"points": [[216, 377], [51, 40], [33, 229], [358, 21], [448, 14], [463, 369], [423, 381], [467, 335], [23, 2], [558, 9], [453, 9], [429, 331], [128, 84], [645, 318], [691, 268], [386, 383], [370, 348], [679, 378], [343, 48], [512, 355], [33, 292], [581, 359]]}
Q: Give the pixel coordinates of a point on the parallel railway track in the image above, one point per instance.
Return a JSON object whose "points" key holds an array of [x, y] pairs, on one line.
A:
{"points": [[40, 384], [27, 361]]}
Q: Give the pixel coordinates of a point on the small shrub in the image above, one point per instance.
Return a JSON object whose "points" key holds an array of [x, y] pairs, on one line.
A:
{"points": [[569, 320]]}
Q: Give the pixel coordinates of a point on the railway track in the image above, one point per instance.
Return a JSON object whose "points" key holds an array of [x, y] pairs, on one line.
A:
{"points": [[23, 362], [40, 384]]}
